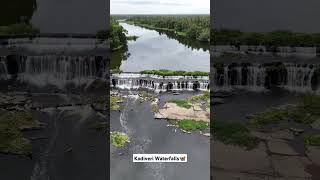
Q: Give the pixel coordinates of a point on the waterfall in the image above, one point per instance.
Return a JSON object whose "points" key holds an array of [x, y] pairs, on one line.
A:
{"points": [[4, 74], [53, 69], [159, 83], [260, 77]]}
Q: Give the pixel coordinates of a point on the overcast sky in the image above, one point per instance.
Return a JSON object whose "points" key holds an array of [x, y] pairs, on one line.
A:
{"points": [[160, 6]]}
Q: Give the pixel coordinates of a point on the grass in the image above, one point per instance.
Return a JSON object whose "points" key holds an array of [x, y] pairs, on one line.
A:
{"points": [[205, 97], [271, 116], [234, 133], [11, 138], [312, 140], [181, 103], [118, 139], [147, 95], [192, 125], [164, 72], [305, 112], [115, 103], [154, 108]]}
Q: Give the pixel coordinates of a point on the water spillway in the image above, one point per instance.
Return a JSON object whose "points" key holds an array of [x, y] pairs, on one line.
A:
{"points": [[52, 69], [57, 61], [301, 77], [159, 83]]}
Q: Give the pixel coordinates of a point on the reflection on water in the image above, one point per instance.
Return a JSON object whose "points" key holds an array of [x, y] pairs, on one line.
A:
{"points": [[154, 50]]}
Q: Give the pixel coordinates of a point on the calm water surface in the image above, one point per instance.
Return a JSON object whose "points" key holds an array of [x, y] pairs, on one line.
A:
{"points": [[154, 50]]}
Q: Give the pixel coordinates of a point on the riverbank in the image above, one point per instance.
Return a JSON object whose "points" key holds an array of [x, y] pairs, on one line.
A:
{"points": [[177, 33], [50, 129]]}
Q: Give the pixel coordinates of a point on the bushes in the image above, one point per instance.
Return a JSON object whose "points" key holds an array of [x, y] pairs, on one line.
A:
{"points": [[194, 27], [274, 38]]}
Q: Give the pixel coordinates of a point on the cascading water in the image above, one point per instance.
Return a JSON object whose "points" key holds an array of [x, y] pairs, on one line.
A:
{"points": [[257, 77], [160, 83], [53, 69], [3, 69]]}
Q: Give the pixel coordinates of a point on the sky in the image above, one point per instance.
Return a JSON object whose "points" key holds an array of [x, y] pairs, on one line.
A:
{"points": [[266, 15], [159, 6]]}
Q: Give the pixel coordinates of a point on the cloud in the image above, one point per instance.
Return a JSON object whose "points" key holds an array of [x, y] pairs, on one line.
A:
{"points": [[160, 6], [145, 2]]}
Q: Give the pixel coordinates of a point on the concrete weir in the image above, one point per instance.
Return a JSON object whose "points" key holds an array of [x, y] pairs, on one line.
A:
{"points": [[159, 83]]}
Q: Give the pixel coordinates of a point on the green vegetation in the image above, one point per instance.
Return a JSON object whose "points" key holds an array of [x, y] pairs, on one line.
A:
{"points": [[11, 137], [98, 126], [118, 38], [118, 139], [102, 34], [154, 108], [189, 124], [18, 29], [132, 38], [164, 72], [271, 116], [312, 140], [114, 103], [192, 125], [184, 103], [305, 112], [193, 27], [187, 103], [274, 38], [205, 98], [234, 133]]}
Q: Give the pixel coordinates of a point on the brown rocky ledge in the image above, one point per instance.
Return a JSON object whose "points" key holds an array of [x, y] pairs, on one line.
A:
{"points": [[173, 111]]}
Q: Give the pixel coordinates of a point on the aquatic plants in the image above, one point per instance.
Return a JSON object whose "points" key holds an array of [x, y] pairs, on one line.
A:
{"points": [[184, 103], [234, 133], [114, 103], [11, 137], [312, 140], [118, 139], [192, 125]]}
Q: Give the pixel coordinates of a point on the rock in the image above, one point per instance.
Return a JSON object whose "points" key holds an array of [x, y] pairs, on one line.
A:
{"points": [[206, 134], [316, 125], [281, 147], [236, 159], [69, 150], [172, 111], [313, 154], [197, 108], [290, 167], [159, 116], [261, 135], [284, 134], [296, 131]]}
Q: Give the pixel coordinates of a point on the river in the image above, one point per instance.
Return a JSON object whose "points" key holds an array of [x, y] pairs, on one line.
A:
{"points": [[157, 50]]}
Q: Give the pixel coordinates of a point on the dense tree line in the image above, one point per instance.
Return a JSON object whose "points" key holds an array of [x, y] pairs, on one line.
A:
{"points": [[117, 35], [274, 38], [192, 26]]}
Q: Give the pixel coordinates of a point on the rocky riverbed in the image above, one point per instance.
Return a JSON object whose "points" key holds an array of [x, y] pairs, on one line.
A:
{"points": [[284, 148], [59, 134]]}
